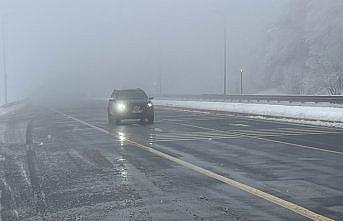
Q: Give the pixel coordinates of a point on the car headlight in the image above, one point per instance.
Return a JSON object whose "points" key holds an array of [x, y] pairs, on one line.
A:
{"points": [[120, 107], [149, 104]]}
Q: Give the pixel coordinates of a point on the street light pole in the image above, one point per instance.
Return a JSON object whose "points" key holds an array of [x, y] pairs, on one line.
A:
{"points": [[225, 85], [225, 43], [4, 58], [225, 59], [241, 81], [160, 83]]}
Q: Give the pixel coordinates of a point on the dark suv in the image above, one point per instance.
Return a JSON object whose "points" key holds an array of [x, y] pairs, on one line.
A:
{"points": [[130, 104]]}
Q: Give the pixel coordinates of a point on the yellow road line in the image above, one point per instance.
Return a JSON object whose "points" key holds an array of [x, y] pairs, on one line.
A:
{"points": [[271, 198]]}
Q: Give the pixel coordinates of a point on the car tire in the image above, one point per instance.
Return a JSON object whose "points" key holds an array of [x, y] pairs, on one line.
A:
{"points": [[110, 121], [151, 118]]}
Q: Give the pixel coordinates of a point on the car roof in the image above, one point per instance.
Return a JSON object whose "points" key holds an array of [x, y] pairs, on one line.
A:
{"points": [[136, 89]]}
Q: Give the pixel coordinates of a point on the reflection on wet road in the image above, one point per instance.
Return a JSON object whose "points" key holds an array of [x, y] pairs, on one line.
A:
{"points": [[76, 172]]}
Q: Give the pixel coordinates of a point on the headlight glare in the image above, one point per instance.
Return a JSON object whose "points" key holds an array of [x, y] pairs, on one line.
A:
{"points": [[149, 104], [120, 107]]}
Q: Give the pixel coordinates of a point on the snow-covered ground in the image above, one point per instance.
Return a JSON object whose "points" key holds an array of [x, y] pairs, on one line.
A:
{"points": [[333, 116], [4, 110]]}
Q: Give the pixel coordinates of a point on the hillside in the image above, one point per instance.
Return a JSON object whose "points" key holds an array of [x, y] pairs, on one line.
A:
{"points": [[304, 52]]}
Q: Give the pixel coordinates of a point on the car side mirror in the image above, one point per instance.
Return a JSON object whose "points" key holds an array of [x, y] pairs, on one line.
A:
{"points": [[151, 98]]}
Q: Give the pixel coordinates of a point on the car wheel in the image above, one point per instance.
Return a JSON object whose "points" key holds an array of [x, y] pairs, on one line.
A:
{"points": [[151, 119], [110, 121]]}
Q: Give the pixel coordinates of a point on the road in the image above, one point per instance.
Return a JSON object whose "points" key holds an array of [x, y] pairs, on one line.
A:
{"points": [[67, 163]]}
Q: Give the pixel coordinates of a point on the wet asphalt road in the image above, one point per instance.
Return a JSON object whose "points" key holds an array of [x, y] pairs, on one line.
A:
{"points": [[57, 168]]}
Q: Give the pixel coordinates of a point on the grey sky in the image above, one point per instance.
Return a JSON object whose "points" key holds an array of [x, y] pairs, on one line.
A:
{"points": [[90, 47]]}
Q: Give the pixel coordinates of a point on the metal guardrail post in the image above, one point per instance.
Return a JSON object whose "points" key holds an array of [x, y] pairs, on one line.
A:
{"points": [[333, 99]]}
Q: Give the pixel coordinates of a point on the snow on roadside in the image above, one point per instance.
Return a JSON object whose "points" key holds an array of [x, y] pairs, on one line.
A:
{"points": [[9, 109], [330, 114]]}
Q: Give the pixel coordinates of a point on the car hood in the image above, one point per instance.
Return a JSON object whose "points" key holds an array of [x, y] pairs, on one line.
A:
{"points": [[134, 101]]}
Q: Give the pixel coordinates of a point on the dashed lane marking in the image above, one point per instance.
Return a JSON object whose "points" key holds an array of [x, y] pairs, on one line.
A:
{"points": [[253, 118], [240, 125], [271, 198], [266, 139], [157, 138]]}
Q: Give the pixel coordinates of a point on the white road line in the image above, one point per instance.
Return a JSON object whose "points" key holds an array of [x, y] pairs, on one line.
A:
{"points": [[266, 139], [271, 198], [251, 117]]}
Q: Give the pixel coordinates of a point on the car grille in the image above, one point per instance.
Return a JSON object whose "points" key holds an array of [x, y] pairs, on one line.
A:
{"points": [[136, 107]]}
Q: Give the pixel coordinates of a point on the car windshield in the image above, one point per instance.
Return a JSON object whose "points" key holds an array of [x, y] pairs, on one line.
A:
{"points": [[132, 95]]}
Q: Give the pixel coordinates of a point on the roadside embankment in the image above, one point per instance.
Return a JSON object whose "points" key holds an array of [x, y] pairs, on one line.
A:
{"points": [[328, 116]]}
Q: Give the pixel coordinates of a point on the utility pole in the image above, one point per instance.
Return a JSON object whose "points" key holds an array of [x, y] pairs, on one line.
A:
{"points": [[225, 59], [160, 82], [241, 81], [4, 57], [225, 55], [159, 67]]}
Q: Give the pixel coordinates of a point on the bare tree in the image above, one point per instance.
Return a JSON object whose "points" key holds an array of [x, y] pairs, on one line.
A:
{"points": [[337, 87]]}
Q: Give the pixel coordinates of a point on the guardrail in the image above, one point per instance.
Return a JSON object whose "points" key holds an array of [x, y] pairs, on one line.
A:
{"points": [[334, 99]]}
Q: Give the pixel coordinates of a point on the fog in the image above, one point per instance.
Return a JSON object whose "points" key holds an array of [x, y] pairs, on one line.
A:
{"points": [[88, 47]]}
